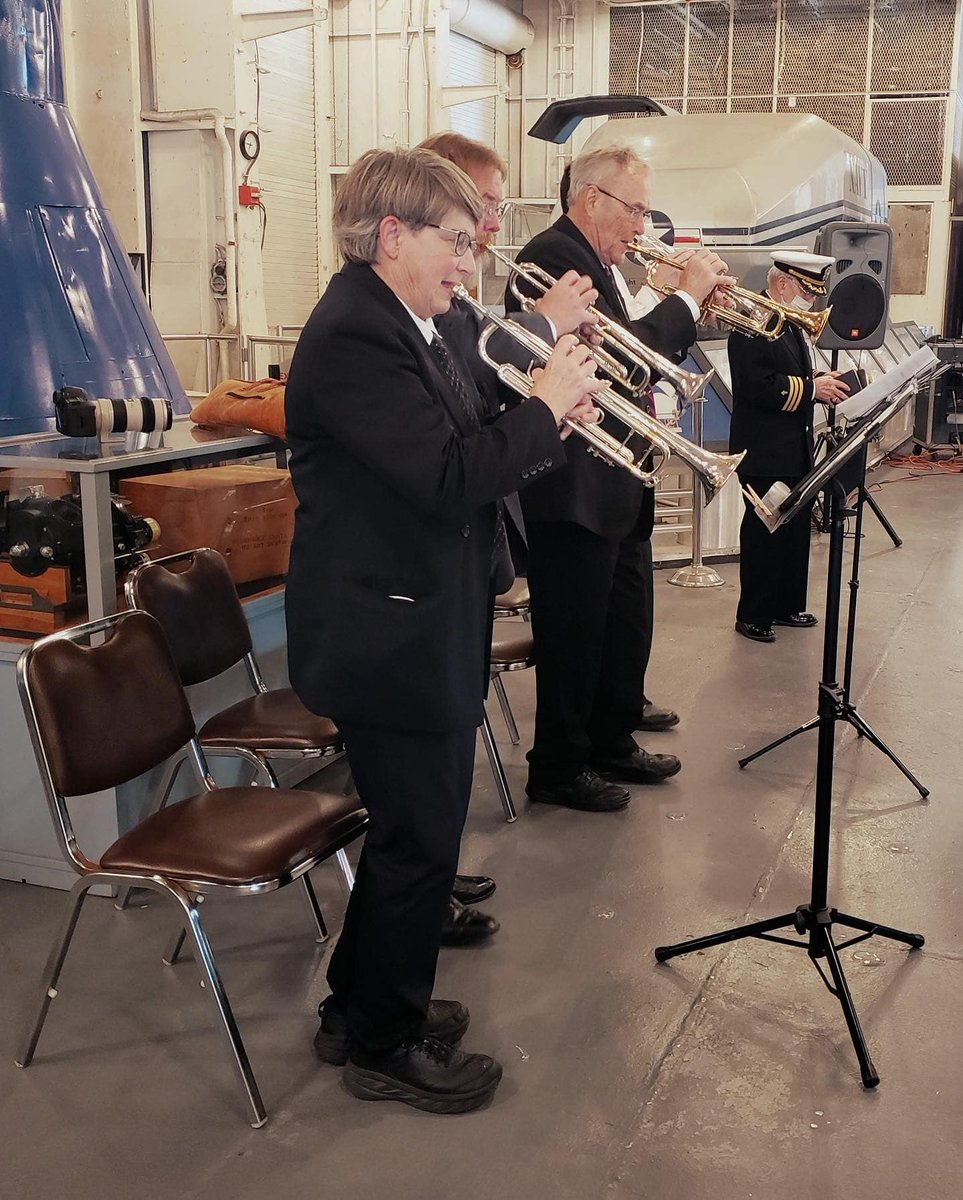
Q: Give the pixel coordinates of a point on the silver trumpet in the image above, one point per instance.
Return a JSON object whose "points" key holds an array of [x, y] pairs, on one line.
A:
{"points": [[712, 469], [616, 339]]}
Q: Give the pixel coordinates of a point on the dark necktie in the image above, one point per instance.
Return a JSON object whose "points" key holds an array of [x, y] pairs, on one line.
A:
{"points": [[501, 558], [468, 407]]}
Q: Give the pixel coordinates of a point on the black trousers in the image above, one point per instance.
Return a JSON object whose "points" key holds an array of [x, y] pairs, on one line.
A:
{"points": [[592, 624], [416, 789], [773, 567]]}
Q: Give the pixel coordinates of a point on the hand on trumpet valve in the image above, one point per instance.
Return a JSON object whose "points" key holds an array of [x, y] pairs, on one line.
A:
{"points": [[703, 273], [567, 303], [830, 389], [567, 381]]}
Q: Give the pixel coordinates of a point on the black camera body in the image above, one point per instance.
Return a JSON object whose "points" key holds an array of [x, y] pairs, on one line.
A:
{"points": [[79, 415], [39, 531]]}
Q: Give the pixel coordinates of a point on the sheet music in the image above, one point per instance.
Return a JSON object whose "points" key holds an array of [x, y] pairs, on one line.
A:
{"points": [[921, 362]]}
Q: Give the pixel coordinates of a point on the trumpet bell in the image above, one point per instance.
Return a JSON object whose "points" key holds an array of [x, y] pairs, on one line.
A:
{"points": [[813, 322]]}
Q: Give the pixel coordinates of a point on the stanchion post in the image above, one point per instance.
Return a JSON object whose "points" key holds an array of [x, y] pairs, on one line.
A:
{"points": [[697, 574]]}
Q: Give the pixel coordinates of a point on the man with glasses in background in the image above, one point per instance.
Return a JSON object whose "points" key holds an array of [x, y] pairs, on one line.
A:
{"points": [[561, 310], [589, 524]]}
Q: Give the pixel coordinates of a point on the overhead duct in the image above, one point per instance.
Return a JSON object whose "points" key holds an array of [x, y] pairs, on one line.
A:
{"points": [[492, 24]]}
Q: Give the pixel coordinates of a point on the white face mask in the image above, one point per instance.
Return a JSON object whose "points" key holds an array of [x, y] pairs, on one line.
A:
{"points": [[803, 302]]}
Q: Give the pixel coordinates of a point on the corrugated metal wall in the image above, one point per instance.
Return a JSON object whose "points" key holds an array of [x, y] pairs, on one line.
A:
{"points": [[471, 65], [288, 172]]}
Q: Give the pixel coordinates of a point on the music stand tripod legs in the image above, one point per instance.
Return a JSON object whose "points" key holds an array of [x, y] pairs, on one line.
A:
{"points": [[814, 922], [843, 707]]}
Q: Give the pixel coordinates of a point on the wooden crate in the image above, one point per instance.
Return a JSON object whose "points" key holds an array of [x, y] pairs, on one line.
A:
{"points": [[244, 512]]}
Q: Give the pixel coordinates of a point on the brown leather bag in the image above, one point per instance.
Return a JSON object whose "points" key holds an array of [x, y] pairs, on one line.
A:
{"points": [[252, 404]]}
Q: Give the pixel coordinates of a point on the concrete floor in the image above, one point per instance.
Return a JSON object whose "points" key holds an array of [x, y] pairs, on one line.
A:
{"points": [[726, 1074]]}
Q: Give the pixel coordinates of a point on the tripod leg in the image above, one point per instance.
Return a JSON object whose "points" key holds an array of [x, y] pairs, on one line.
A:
{"points": [[883, 520], [853, 717], [913, 940], [744, 762], [728, 935], [823, 933]]}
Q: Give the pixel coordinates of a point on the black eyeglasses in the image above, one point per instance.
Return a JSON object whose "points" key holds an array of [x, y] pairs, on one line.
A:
{"points": [[462, 242], [635, 211], [496, 209]]}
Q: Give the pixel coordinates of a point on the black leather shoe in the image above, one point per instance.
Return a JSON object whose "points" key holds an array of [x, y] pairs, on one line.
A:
{"points": [[447, 1020], [796, 621], [755, 633], [427, 1074], [587, 792], [655, 719], [470, 889], [638, 767], [464, 926]]}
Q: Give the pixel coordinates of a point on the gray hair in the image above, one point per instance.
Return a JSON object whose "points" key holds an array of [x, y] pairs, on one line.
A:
{"points": [[416, 186], [601, 167], [773, 274]]}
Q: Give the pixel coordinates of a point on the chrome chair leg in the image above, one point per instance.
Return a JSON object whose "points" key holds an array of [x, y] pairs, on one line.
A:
{"points": [[506, 708], [498, 771], [215, 987], [315, 908], [54, 965], [347, 875], [174, 947]]}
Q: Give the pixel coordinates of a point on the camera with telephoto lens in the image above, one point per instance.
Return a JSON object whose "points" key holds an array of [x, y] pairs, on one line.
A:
{"points": [[79, 415]]}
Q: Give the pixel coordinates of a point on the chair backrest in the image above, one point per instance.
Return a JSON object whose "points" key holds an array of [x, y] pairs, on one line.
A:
{"points": [[198, 609], [100, 715]]}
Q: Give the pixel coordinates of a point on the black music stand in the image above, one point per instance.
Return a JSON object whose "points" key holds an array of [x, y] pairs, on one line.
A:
{"points": [[845, 710], [814, 922]]}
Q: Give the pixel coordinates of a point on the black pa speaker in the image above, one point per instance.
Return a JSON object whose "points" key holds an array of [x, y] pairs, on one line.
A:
{"points": [[857, 284]]}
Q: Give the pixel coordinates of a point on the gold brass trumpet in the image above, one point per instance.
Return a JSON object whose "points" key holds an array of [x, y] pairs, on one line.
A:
{"points": [[712, 469], [618, 342], [749, 312]]}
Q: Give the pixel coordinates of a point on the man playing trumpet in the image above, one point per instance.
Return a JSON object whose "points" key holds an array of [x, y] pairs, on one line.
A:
{"points": [[590, 557], [773, 393]]}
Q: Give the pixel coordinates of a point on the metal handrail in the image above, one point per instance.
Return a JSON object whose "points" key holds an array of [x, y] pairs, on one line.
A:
{"points": [[254, 340], [208, 339]]}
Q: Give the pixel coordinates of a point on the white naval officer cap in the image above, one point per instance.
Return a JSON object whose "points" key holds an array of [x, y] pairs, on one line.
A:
{"points": [[809, 269]]}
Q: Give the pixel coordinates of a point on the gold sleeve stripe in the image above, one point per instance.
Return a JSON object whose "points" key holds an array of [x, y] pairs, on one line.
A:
{"points": [[796, 390]]}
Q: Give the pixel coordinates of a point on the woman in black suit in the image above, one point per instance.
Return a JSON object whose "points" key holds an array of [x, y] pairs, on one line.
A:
{"points": [[388, 595]]}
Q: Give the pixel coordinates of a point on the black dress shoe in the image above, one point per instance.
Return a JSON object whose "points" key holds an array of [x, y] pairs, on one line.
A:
{"points": [[796, 621], [447, 1020], [655, 719], [464, 926], [470, 889], [427, 1074], [638, 767], [587, 792], [755, 633]]}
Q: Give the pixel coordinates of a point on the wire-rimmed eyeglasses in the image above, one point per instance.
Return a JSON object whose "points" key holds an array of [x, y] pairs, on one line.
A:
{"points": [[635, 211], [462, 242]]}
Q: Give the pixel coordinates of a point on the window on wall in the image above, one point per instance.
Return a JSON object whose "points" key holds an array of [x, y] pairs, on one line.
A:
{"points": [[471, 64]]}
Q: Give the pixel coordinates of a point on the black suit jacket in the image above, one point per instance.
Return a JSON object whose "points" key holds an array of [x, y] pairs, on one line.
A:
{"points": [[772, 403], [388, 600], [606, 500]]}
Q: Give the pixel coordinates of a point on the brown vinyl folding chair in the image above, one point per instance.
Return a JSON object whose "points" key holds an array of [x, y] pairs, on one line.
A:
{"points": [[515, 653], [220, 840], [193, 597]]}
